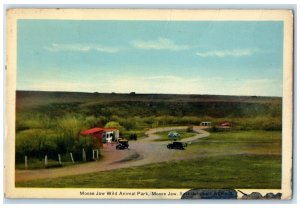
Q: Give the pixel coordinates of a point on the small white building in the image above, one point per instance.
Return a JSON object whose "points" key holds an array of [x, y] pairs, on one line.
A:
{"points": [[206, 123], [109, 135]]}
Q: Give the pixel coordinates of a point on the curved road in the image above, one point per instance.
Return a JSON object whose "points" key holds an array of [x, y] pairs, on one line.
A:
{"points": [[141, 152]]}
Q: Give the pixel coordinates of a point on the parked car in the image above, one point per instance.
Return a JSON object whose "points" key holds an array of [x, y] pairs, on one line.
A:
{"points": [[177, 145], [123, 144]]}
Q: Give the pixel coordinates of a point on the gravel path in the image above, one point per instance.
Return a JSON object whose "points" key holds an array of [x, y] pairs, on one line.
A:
{"points": [[140, 152]]}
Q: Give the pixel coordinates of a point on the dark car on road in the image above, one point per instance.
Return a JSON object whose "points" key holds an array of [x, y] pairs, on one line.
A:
{"points": [[123, 144], [177, 145]]}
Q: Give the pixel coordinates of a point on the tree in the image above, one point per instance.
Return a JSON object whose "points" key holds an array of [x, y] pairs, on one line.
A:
{"points": [[114, 124]]}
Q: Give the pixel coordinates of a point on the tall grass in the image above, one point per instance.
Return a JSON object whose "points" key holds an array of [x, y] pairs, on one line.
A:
{"points": [[64, 137]]}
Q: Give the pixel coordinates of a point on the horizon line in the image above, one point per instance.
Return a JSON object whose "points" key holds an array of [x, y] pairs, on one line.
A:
{"points": [[141, 93]]}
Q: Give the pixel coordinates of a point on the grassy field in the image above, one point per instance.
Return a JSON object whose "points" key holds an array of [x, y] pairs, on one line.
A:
{"points": [[183, 134], [240, 142], [230, 159], [233, 171]]}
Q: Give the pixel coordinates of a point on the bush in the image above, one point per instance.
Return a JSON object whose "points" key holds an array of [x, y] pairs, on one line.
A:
{"points": [[36, 143], [189, 129], [91, 121], [114, 124]]}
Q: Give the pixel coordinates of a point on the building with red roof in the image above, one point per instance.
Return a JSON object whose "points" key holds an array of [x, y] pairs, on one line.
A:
{"points": [[103, 135]]}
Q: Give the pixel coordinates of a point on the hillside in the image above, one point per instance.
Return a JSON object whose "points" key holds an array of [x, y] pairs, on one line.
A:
{"points": [[146, 104]]}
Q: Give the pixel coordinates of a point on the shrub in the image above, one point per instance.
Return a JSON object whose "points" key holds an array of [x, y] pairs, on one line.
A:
{"points": [[90, 121], [214, 129], [114, 124], [36, 143], [189, 129]]}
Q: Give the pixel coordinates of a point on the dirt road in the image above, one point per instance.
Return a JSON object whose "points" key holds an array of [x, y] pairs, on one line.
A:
{"points": [[141, 152]]}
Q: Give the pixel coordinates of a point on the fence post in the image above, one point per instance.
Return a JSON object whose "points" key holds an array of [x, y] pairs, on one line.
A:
{"points": [[93, 154], [71, 155], [26, 164], [83, 155], [97, 154], [46, 160], [59, 159]]}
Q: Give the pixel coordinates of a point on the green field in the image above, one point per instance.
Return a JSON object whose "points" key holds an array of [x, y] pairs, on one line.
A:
{"points": [[234, 171], [183, 134], [240, 142]]}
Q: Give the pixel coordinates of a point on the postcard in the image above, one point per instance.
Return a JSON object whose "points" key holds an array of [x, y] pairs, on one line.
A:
{"points": [[149, 104]]}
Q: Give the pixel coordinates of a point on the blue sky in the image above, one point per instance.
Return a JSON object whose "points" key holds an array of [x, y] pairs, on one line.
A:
{"points": [[186, 57]]}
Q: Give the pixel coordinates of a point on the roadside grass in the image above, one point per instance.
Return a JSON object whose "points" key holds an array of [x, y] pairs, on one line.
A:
{"points": [[245, 136], [231, 171], [39, 164], [183, 134]]}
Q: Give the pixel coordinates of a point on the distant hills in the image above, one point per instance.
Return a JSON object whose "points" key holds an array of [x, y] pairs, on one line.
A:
{"points": [[144, 105]]}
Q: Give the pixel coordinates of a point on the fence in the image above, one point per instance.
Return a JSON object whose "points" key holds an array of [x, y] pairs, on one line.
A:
{"points": [[61, 160]]}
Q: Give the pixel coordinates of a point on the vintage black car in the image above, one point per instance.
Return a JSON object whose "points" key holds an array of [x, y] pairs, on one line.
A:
{"points": [[177, 145], [123, 144]]}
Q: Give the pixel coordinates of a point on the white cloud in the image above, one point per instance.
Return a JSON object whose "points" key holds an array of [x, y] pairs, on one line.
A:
{"points": [[224, 53], [55, 47], [159, 44]]}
